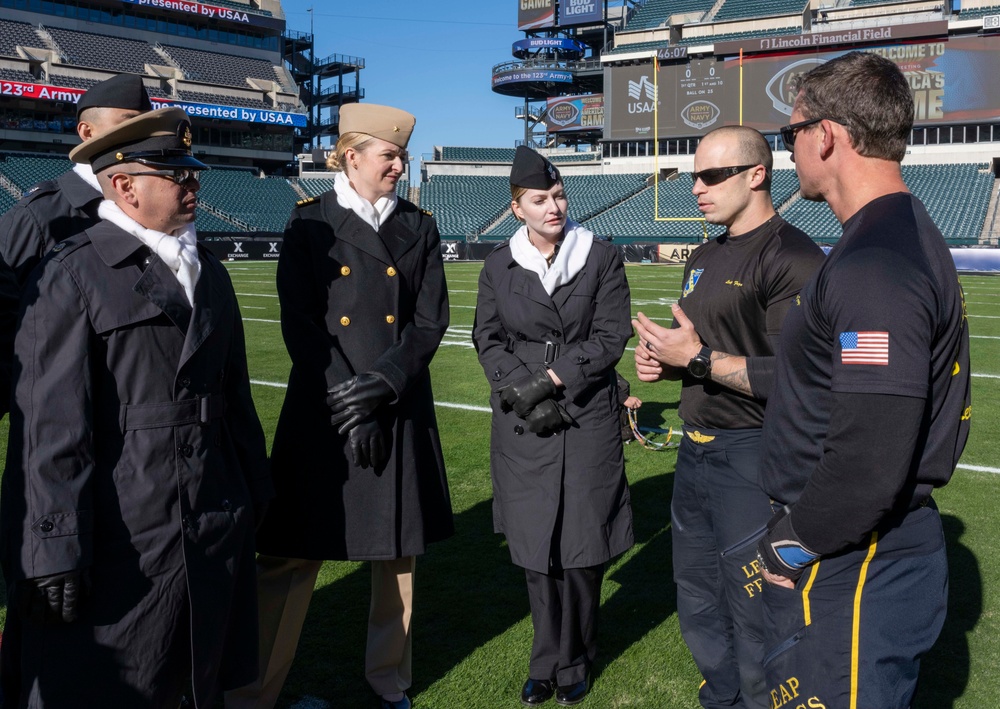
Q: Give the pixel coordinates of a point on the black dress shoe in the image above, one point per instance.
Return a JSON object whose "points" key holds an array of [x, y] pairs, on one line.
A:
{"points": [[403, 703], [574, 693], [536, 692]]}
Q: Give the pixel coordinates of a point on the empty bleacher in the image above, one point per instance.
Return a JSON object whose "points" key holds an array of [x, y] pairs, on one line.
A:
{"points": [[477, 154], [72, 82], [222, 69], [27, 170], [734, 36], [656, 12], [464, 204], [104, 51], [633, 219], [13, 34], [242, 101], [243, 7], [262, 203], [740, 9], [205, 222], [17, 75]]}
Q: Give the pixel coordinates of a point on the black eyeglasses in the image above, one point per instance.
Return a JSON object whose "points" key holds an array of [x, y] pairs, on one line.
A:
{"points": [[177, 176], [788, 132], [717, 175]]}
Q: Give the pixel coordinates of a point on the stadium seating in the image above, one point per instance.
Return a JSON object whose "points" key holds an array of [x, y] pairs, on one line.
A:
{"points": [[633, 219], [104, 51], [243, 7], [263, 203], [815, 219], [27, 170], [13, 34], [206, 222], [6, 200], [970, 14], [464, 204], [218, 99], [656, 12], [314, 187], [223, 69], [17, 75], [478, 154], [739, 9], [576, 157], [72, 82], [733, 36]]}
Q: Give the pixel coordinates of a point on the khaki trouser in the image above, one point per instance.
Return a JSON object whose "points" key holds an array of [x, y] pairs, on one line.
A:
{"points": [[284, 589]]}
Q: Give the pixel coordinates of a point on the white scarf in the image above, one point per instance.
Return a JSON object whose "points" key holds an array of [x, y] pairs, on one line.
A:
{"points": [[86, 174], [348, 198], [569, 261], [180, 252]]}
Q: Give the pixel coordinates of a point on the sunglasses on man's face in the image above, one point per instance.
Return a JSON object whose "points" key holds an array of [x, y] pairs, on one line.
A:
{"points": [[788, 132], [717, 175], [180, 176]]}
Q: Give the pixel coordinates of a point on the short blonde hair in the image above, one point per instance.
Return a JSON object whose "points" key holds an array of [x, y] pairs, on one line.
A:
{"points": [[354, 140]]}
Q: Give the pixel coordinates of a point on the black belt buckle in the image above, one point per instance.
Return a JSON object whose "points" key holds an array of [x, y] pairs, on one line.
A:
{"points": [[551, 352]]}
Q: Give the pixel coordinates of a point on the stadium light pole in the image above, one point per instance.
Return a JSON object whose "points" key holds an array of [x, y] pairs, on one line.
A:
{"points": [[313, 110]]}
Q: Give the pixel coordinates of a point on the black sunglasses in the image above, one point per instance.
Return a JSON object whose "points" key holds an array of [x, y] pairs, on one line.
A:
{"points": [[179, 177], [788, 132], [717, 175]]}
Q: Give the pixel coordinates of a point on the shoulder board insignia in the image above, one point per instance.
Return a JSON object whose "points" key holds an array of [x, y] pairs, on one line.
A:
{"points": [[307, 200], [32, 190], [58, 247], [699, 437], [428, 212]]}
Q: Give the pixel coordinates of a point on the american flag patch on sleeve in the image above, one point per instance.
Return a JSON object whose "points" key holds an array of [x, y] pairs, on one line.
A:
{"points": [[864, 348]]}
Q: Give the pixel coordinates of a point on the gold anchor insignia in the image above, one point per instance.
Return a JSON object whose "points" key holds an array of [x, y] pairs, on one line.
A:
{"points": [[187, 138], [395, 129]]}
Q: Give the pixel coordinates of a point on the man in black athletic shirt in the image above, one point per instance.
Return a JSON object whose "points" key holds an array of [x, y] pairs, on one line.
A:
{"points": [[869, 412], [737, 290]]}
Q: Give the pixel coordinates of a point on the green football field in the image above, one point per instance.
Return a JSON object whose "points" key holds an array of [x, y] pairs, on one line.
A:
{"points": [[472, 629]]}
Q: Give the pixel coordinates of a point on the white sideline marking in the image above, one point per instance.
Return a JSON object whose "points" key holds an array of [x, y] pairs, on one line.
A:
{"points": [[979, 468], [987, 376], [983, 337], [254, 307], [276, 322], [442, 404], [257, 295]]}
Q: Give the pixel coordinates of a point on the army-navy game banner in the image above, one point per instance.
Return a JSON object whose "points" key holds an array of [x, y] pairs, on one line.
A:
{"points": [[536, 14], [953, 81], [575, 113]]}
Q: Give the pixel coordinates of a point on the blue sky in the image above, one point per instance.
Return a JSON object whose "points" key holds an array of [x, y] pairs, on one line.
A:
{"points": [[431, 58]]}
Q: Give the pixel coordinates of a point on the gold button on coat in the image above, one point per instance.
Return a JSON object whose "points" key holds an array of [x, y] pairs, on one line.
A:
{"points": [[390, 319], [345, 270], [345, 321], [390, 271]]}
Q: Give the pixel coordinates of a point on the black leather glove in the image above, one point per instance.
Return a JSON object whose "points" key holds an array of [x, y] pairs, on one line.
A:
{"points": [[356, 399], [368, 444], [525, 394], [54, 598], [781, 551], [548, 417]]}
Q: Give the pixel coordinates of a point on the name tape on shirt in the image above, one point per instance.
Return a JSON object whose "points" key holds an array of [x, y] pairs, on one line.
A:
{"points": [[864, 348]]}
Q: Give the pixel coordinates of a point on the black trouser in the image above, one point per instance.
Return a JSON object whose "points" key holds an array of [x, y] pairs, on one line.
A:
{"points": [[564, 605], [717, 512]]}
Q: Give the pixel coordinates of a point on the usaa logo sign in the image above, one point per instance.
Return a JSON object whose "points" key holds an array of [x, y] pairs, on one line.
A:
{"points": [[779, 88], [700, 114]]}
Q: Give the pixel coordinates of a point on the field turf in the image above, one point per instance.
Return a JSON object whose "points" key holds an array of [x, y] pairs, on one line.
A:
{"points": [[472, 629]]}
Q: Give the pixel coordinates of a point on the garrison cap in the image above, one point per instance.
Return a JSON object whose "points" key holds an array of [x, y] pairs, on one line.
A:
{"points": [[532, 170], [122, 91], [385, 122], [160, 138]]}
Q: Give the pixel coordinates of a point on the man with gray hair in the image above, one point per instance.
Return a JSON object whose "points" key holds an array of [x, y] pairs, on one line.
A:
{"points": [[869, 412], [737, 291]]}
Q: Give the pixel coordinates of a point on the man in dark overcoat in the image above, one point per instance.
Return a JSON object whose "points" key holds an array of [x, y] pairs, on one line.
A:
{"points": [[54, 210], [136, 457]]}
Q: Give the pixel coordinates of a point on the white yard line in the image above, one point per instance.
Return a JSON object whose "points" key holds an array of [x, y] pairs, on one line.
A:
{"points": [[276, 322], [979, 468], [256, 295]]}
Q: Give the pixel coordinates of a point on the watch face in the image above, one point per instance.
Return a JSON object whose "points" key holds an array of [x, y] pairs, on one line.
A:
{"points": [[698, 368]]}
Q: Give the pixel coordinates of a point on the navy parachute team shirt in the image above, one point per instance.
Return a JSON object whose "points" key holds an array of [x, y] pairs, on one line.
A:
{"points": [[884, 314]]}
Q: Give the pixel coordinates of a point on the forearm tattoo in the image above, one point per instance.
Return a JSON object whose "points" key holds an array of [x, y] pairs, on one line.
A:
{"points": [[737, 380]]}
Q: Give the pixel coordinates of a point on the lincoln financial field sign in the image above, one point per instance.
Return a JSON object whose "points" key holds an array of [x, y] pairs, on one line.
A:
{"points": [[953, 81]]}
